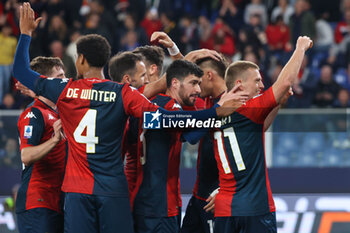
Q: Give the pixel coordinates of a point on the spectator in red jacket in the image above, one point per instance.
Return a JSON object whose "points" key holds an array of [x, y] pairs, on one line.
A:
{"points": [[278, 35], [151, 23], [343, 28], [223, 38]]}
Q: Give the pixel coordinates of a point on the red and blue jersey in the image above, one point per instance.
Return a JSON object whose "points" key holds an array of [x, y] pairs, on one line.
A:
{"points": [[158, 186], [93, 113], [207, 172], [240, 155], [41, 180], [131, 146]]}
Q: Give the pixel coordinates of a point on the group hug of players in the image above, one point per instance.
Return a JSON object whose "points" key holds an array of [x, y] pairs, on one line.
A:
{"points": [[83, 137]]}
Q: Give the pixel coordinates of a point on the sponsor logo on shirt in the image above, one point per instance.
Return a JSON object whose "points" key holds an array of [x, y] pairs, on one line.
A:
{"points": [[64, 80], [30, 115], [28, 131], [51, 117], [176, 105]]}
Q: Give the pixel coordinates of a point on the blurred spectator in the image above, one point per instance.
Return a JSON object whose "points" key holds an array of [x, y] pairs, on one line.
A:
{"points": [[232, 15], [55, 7], [151, 23], [302, 22], [340, 52], [304, 87], [9, 14], [256, 8], [344, 5], [284, 9], [204, 31], [171, 28], [57, 30], [327, 89], [189, 36], [343, 28], [57, 50], [343, 99], [106, 18], [255, 37], [12, 157], [8, 102], [93, 26], [132, 31], [72, 47], [324, 33], [223, 38], [8, 45], [278, 35], [129, 41]]}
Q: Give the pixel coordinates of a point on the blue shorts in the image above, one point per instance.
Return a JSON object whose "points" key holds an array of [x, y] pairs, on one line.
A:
{"points": [[145, 224], [91, 213], [246, 224], [196, 220], [40, 220]]}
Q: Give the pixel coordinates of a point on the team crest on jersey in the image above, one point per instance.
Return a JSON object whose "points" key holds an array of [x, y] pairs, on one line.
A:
{"points": [[28, 131], [51, 117], [30, 115]]}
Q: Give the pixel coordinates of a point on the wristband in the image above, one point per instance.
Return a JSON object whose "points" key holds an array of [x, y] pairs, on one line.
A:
{"points": [[173, 50]]}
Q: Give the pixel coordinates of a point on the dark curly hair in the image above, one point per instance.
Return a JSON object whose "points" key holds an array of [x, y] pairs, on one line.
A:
{"points": [[95, 49]]}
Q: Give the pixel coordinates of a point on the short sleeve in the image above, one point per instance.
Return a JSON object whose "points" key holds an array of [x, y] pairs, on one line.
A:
{"points": [[259, 107], [135, 103], [31, 126]]}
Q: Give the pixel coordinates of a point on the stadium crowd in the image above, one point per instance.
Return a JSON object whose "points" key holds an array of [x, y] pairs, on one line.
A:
{"points": [[261, 31]]}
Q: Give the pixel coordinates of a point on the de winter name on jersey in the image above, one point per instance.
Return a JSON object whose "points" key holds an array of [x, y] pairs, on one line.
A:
{"points": [[91, 94]]}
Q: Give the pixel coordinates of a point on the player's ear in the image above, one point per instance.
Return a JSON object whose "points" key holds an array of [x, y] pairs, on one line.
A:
{"points": [[238, 82], [153, 69], [81, 59], [175, 83], [209, 75], [126, 79]]}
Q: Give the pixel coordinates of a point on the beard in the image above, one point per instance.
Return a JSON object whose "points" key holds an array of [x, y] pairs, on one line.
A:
{"points": [[186, 99]]}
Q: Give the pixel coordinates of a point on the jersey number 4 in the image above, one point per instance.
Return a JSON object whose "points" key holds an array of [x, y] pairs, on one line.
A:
{"points": [[88, 122], [236, 152]]}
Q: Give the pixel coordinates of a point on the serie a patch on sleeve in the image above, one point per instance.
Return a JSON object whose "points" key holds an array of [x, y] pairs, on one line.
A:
{"points": [[28, 131]]}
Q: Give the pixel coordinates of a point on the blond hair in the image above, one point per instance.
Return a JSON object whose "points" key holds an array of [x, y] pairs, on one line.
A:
{"points": [[236, 70]]}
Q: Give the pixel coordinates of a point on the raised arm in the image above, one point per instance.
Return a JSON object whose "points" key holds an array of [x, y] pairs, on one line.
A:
{"points": [[21, 67], [163, 39], [291, 69], [159, 86]]}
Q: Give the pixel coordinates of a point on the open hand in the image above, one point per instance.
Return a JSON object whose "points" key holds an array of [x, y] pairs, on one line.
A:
{"points": [[27, 21]]}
